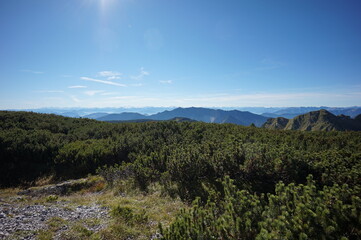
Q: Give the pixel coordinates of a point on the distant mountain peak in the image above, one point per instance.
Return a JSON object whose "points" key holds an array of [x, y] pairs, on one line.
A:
{"points": [[321, 120], [292, 112]]}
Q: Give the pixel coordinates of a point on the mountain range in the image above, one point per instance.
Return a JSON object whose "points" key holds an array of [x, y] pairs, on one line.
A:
{"points": [[198, 114], [315, 121], [292, 112], [282, 118], [273, 112]]}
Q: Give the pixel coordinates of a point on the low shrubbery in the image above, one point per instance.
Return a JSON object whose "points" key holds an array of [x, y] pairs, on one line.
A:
{"points": [[292, 212], [187, 159]]}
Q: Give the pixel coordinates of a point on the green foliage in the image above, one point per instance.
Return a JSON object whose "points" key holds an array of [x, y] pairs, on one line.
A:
{"points": [[128, 215], [56, 223], [77, 232], [292, 212], [187, 155], [268, 198], [87, 156], [51, 198], [44, 235]]}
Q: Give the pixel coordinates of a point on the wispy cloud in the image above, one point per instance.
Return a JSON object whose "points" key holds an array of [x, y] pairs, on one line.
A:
{"points": [[141, 74], [166, 81], [93, 92], [103, 81], [32, 71], [110, 75], [77, 86], [137, 85]]}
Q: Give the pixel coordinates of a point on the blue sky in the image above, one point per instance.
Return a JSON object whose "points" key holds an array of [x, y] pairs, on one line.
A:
{"points": [[119, 53]]}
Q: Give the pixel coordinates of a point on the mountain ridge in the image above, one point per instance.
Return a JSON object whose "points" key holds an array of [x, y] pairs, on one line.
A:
{"points": [[292, 112], [195, 113], [287, 112], [321, 120]]}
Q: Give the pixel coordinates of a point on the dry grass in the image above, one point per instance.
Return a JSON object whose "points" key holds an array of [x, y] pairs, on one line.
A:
{"points": [[9, 195], [145, 210], [8, 192], [45, 180]]}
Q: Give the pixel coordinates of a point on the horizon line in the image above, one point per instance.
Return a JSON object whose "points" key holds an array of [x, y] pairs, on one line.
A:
{"points": [[16, 109]]}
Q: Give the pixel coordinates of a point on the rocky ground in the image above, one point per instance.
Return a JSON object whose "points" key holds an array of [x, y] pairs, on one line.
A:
{"points": [[85, 209], [22, 217]]}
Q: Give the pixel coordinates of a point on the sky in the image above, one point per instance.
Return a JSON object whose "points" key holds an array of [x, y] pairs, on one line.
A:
{"points": [[205, 53]]}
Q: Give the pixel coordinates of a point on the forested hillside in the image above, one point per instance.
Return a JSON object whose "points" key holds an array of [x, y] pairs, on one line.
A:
{"points": [[246, 182]]}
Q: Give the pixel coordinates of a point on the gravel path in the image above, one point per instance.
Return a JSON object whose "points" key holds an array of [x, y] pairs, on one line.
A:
{"points": [[30, 218]]}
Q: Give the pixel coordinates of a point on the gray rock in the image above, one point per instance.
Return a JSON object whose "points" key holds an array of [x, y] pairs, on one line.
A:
{"points": [[32, 218]]}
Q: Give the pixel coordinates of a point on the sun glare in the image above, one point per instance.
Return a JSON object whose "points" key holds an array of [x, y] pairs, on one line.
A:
{"points": [[105, 4]]}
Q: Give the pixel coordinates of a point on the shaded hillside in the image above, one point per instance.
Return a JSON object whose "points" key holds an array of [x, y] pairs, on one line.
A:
{"points": [[276, 123], [358, 118], [199, 114], [321, 120]]}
